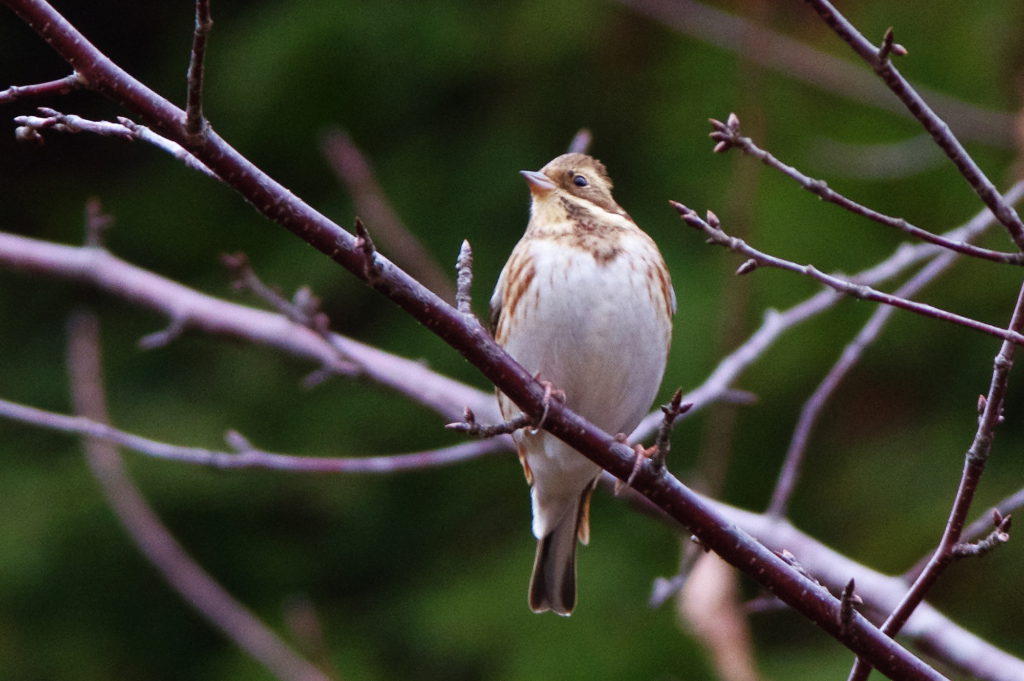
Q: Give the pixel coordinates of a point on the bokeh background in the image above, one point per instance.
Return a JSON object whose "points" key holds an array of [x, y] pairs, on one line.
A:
{"points": [[423, 574]]}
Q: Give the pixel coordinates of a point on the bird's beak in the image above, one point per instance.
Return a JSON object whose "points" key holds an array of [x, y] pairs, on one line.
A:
{"points": [[540, 184]]}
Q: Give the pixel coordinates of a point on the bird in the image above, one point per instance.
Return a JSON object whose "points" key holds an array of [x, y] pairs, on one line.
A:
{"points": [[585, 303]]}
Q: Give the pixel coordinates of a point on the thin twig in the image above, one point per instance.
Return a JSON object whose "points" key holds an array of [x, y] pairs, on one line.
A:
{"points": [[727, 136], [851, 354], [471, 427], [999, 535], [150, 535], [974, 465], [663, 442], [845, 286], [30, 129], [243, 454], [195, 121], [931, 122], [61, 86]]}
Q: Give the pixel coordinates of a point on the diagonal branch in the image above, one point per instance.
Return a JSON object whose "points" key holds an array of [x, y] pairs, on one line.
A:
{"points": [[974, 465], [727, 135], [878, 59], [847, 360], [152, 538], [845, 286], [278, 204]]}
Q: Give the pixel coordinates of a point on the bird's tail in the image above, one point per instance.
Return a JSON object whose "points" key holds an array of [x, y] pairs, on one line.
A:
{"points": [[553, 584]]}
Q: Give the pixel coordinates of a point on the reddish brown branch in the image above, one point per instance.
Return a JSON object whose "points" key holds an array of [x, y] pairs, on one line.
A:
{"points": [[61, 86], [727, 136], [878, 59], [974, 465], [195, 122]]}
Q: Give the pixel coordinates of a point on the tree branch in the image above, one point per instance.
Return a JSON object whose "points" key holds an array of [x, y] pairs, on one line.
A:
{"points": [[974, 465], [727, 136], [850, 355], [845, 286], [61, 86], [878, 59], [152, 538]]}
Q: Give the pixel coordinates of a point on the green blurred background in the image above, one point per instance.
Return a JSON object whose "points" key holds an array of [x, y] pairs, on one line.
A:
{"points": [[423, 575]]}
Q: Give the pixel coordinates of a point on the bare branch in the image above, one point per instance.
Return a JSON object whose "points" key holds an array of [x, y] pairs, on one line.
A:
{"points": [[663, 442], [61, 86], [849, 357], [727, 136], [31, 127], [157, 544], [999, 535], [920, 110], [847, 287], [244, 455], [974, 466], [471, 427], [195, 121], [275, 202], [191, 309]]}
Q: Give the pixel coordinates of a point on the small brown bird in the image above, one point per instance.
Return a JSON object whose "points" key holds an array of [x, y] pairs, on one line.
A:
{"points": [[586, 303]]}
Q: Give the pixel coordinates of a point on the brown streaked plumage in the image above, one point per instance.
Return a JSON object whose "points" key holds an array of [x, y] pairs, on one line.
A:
{"points": [[585, 301]]}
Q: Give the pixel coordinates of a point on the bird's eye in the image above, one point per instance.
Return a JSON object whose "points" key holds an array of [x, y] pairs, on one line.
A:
{"points": [[579, 181]]}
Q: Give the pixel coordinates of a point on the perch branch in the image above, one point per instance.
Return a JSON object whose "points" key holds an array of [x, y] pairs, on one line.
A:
{"points": [[278, 204]]}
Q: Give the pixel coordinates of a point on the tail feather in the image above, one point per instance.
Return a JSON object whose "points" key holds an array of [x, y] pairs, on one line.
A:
{"points": [[553, 584]]}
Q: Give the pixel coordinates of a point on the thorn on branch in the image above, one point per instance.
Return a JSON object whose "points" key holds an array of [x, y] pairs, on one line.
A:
{"points": [[469, 425], [371, 267], [662, 443], [999, 535], [464, 281], [847, 602]]}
